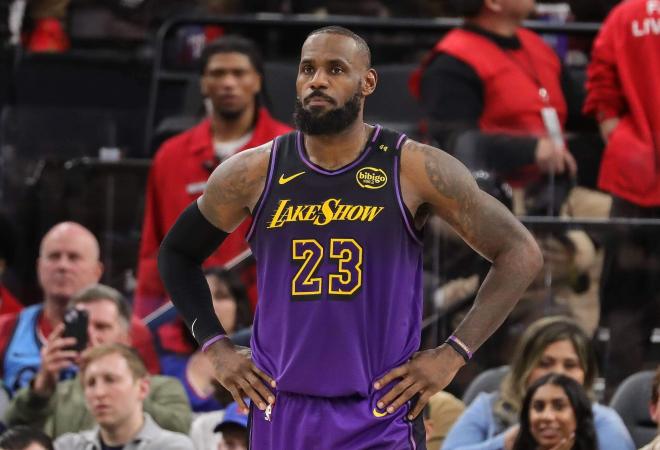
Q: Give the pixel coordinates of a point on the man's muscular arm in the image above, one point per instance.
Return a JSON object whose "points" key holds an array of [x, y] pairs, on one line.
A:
{"points": [[230, 195], [488, 227], [234, 188], [431, 176]]}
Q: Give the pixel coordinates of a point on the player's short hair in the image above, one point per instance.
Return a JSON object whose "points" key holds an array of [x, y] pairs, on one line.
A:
{"points": [[232, 43], [98, 292], [467, 8], [135, 363], [335, 29], [21, 436]]}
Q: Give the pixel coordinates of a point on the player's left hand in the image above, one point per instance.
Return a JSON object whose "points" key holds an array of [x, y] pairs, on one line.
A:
{"points": [[426, 373]]}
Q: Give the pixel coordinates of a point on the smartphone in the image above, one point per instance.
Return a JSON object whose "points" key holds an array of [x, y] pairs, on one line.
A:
{"points": [[75, 325]]}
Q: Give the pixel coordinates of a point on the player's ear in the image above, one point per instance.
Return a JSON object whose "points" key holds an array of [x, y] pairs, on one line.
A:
{"points": [[369, 82]]}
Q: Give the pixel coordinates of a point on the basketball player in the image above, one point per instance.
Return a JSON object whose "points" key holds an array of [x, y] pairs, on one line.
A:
{"points": [[338, 207]]}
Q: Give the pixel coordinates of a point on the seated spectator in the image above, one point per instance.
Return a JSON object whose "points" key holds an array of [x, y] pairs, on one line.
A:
{"points": [[196, 372], [550, 345], [654, 410], [444, 409], [25, 438], [556, 415], [231, 81], [234, 429], [115, 384], [58, 407], [68, 262], [465, 87]]}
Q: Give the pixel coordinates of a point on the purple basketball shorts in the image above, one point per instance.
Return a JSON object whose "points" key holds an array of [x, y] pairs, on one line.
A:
{"points": [[302, 422]]}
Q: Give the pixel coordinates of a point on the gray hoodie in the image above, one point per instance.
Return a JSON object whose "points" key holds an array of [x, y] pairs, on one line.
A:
{"points": [[150, 437]]}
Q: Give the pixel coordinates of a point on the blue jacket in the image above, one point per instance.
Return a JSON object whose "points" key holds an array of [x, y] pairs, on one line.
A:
{"points": [[477, 428]]}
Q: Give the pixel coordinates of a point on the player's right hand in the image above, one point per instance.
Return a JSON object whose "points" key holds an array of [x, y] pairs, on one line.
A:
{"points": [[55, 356], [235, 370]]}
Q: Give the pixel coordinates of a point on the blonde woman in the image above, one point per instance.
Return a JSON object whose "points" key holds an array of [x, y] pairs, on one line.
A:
{"points": [[549, 345]]}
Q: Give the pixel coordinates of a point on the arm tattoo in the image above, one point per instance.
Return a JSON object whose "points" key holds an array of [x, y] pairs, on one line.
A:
{"points": [[237, 181], [488, 227]]}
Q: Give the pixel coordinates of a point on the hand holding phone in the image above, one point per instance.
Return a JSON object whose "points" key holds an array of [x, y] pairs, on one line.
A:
{"points": [[75, 326], [58, 353]]}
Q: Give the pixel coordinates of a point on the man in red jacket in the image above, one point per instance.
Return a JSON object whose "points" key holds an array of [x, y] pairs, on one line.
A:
{"points": [[231, 82], [624, 96], [494, 94]]}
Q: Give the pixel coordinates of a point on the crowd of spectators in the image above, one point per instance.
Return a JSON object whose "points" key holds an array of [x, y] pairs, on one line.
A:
{"points": [[47, 24], [496, 96]]}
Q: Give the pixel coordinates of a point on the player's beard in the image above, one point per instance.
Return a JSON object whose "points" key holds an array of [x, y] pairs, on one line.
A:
{"points": [[327, 122]]}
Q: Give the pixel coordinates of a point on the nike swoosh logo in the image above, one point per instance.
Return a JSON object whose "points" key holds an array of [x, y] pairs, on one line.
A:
{"points": [[285, 180], [379, 414]]}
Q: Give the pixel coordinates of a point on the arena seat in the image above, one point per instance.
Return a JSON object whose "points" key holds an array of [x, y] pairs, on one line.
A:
{"points": [[631, 400], [280, 89], [392, 104], [487, 381]]}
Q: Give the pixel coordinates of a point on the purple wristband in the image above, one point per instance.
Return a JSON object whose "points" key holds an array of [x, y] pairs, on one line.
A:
{"points": [[208, 343], [462, 345]]}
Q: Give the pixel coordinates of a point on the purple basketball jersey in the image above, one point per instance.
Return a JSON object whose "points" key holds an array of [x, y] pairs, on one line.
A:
{"points": [[339, 270]]}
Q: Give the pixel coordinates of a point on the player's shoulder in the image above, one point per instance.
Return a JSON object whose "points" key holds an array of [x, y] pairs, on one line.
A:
{"points": [[415, 150], [243, 168], [425, 166], [252, 157]]}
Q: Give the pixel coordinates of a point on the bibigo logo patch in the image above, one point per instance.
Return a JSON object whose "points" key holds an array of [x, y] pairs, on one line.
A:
{"points": [[371, 178]]}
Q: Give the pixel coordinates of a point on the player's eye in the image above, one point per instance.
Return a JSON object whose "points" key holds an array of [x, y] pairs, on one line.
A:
{"points": [[336, 70], [307, 70]]}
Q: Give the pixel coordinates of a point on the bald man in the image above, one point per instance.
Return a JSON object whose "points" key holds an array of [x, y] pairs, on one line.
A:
{"points": [[68, 262]]}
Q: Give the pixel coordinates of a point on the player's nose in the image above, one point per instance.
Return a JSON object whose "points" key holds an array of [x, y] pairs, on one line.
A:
{"points": [[319, 80]]}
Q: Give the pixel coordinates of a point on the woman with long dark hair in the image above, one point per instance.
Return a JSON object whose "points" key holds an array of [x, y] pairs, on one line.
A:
{"points": [[549, 345], [556, 415]]}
